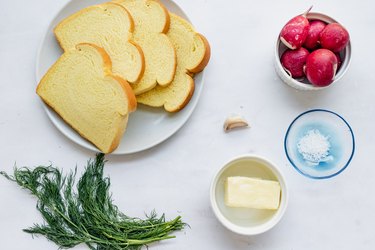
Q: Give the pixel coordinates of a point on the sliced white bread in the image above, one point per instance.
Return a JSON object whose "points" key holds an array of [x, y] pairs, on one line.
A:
{"points": [[193, 54], [81, 88], [109, 26], [151, 22]]}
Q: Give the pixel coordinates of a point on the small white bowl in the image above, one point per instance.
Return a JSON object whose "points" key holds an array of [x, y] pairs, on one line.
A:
{"points": [[304, 84], [247, 221]]}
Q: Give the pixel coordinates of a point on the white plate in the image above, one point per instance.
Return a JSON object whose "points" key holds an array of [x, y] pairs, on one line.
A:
{"points": [[147, 127]]}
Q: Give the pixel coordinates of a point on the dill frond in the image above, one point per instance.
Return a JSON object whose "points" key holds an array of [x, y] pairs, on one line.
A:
{"points": [[87, 214]]}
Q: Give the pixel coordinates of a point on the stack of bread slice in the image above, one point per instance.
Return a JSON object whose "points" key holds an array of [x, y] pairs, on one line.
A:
{"points": [[115, 55], [151, 23], [193, 53]]}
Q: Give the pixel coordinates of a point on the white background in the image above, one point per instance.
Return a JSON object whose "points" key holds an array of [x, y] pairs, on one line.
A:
{"points": [[174, 177]]}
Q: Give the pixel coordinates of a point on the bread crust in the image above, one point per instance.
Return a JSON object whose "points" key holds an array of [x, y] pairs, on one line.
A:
{"points": [[206, 58], [168, 18], [164, 32], [127, 12], [187, 99], [174, 65], [140, 75], [129, 93], [117, 139]]}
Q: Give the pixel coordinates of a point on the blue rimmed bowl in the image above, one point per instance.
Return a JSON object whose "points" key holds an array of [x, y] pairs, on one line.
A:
{"points": [[324, 125]]}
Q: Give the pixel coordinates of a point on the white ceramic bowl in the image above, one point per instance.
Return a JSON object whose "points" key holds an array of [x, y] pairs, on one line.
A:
{"points": [[247, 221], [304, 84]]}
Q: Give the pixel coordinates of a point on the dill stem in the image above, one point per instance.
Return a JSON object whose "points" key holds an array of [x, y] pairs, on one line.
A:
{"points": [[85, 232], [144, 242], [130, 242]]}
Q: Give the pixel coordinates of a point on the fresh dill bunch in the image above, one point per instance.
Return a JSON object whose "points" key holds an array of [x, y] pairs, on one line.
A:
{"points": [[86, 214]]}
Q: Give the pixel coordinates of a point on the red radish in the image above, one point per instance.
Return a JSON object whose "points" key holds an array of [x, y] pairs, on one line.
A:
{"points": [[313, 35], [294, 60], [321, 66], [294, 33], [334, 37]]}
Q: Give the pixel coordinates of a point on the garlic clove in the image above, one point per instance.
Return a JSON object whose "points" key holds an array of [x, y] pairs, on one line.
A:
{"points": [[235, 122]]}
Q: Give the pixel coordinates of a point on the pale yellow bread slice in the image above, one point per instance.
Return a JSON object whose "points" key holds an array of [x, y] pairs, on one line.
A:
{"points": [[81, 88], [193, 54], [151, 22], [110, 26]]}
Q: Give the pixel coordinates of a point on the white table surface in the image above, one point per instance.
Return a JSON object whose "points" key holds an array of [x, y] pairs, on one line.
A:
{"points": [[174, 177]]}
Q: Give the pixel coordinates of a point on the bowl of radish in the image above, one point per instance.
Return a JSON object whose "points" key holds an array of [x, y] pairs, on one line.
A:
{"points": [[312, 52]]}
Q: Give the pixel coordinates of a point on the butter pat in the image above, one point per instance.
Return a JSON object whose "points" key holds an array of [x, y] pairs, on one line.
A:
{"points": [[252, 193]]}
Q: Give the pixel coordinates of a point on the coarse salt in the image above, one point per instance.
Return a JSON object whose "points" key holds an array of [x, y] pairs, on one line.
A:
{"points": [[314, 147]]}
